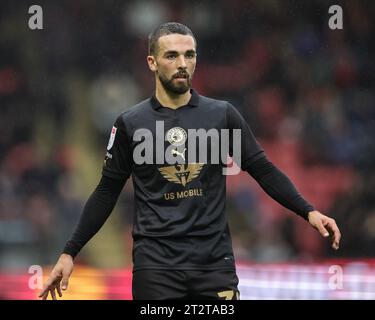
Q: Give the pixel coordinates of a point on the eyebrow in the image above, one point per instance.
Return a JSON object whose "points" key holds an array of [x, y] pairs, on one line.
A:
{"points": [[176, 52]]}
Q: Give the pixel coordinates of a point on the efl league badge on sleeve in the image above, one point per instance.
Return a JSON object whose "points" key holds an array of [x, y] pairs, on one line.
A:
{"points": [[112, 138]]}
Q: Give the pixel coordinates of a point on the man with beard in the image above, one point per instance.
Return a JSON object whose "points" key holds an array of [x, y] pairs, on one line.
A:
{"points": [[182, 246]]}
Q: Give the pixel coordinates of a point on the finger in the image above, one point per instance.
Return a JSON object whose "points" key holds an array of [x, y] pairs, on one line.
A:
{"points": [[58, 288], [42, 294], [45, 296], [336, 234], [323, 231], [44, 291], [45, 288], [48, 284], [65, 282], [336, 239], [53, 294]]}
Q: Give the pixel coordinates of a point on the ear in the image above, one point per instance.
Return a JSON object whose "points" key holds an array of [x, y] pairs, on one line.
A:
{"points": [[152, 63]]}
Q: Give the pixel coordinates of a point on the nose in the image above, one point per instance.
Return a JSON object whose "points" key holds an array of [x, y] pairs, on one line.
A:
{"points": [[181, 63]]}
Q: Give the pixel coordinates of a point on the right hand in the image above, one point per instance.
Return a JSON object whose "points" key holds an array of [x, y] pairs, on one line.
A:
{"points": [[60, 273]]}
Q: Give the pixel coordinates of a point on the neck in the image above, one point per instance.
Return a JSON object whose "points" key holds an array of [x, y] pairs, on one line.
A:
{"points": [[172, 100]]}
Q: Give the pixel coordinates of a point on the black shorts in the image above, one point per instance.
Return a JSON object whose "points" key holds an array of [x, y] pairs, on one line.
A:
{"points": [[185, 284]]}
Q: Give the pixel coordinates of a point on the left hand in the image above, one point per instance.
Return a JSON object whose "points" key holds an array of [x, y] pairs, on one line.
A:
{"points": [[326, 226]]}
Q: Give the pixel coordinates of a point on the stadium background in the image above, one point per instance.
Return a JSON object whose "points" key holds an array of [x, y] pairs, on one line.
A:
{"points": [[306, 90]]}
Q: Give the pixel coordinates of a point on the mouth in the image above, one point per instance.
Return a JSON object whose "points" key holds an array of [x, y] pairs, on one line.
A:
{"points": [[181, 76]]}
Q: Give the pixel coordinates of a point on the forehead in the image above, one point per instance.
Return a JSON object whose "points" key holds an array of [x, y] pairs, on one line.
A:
{"points": [[176, 42]]}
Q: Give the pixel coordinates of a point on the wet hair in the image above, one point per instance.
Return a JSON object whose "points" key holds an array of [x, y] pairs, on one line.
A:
{"points": [[163, 30]]}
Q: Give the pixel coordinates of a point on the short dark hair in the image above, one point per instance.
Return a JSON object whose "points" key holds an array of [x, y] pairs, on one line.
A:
{"points": [[163, 30]]}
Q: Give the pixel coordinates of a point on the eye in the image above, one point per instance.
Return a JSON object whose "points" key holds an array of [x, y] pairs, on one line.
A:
{"points": [[190, 55], [171, 56]]}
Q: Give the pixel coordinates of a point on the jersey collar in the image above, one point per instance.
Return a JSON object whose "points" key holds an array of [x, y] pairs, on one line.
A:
{"points": [[193, 102]]}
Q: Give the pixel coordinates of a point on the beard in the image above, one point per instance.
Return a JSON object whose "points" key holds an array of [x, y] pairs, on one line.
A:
{"points": [[175, 87]]}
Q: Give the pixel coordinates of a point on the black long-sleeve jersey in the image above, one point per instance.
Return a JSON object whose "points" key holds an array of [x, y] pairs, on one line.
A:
{"points": [[179, 221]]}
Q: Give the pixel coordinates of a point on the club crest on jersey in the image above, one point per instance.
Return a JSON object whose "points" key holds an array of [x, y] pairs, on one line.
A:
{"points": [[181, 174], [112, 138], [176, 136]]}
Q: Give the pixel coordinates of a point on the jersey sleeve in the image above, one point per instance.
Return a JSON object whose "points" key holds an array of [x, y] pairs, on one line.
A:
{"points": [[251, 150], [118, 159]]}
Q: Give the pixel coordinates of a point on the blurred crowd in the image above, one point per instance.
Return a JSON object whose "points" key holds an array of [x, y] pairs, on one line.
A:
{"points": [[307, 92]]}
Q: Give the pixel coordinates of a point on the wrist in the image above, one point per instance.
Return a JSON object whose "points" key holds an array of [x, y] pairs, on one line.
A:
{"points": [[67, 256], [310, 214]]}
